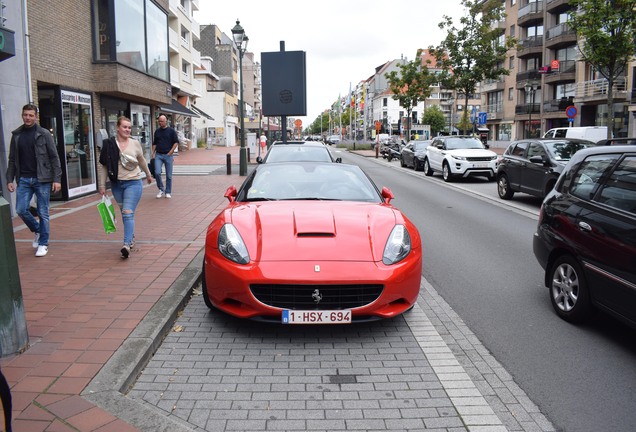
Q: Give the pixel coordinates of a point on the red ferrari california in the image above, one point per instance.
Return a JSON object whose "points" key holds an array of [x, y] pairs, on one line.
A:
{"points": [[311, 243]]}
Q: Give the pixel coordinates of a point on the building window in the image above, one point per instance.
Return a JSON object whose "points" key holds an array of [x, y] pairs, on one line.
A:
{"points": [[511, 93], [133, 33], [511, 64], [513, 2], [384, 102], [512, 30]]}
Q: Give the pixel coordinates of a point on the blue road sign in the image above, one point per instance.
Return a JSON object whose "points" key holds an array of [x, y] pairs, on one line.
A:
{"points": [[483, 116]]}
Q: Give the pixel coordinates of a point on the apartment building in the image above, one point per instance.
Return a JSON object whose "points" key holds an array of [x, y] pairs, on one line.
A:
{"points": [[547, 76]]}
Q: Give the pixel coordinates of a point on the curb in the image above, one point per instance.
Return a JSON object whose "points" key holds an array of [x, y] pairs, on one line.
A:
{"points": [[107, 390]]}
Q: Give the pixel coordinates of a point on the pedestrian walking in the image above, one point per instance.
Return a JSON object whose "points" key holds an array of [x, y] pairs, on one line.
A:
{"points": [[122, 160], [164, 144], [263, 141], [35, 165]]}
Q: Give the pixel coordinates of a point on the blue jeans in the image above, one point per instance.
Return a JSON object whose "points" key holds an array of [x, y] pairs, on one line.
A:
{"points": [[168, 161], [127, 193], [26, 188]]}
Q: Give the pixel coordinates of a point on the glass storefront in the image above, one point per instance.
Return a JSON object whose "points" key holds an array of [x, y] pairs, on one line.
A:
{"points": [[77, 121], [141, 127]]}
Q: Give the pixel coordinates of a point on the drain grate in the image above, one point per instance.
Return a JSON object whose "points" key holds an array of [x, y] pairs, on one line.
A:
{"points": [[342, 379]]}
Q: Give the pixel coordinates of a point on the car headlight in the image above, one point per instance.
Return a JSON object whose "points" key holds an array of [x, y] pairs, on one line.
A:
{"points": [[231, 245], [458, 157], [397, 246]]}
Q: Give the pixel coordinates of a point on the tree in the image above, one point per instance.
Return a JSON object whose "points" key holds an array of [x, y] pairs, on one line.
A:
{"points": [[411, 85], [606, 30], [434, 117], [476, 51]]}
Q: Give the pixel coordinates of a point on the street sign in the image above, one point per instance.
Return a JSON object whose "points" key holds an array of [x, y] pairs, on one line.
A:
{"points": [[483, 116], [571, 111]]}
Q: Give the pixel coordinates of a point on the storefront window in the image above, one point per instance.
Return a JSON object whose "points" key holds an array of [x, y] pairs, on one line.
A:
{"points": [[77, 120], [140, 118]]}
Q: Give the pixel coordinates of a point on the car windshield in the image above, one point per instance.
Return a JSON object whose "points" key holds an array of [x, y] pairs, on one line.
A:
{"points": [[564, 150], [421, 145], [308, 181], [463, 143], [283, 153]]}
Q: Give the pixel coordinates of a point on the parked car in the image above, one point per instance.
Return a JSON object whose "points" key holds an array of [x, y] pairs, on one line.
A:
{"points": [[305, 151], [413, 154], [333, 139], [586, 235], [533, 166], [311, 243], [459, 156]]}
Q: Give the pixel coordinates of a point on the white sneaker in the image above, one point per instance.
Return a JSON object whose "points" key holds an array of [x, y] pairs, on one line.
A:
{"points": [[160, 194], [42, 250], [36, 241], [168, 196]]}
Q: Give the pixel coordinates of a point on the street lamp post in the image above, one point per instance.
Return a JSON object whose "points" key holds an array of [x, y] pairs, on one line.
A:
{"points": [[530, 90], [240, 40], [451, 101]]}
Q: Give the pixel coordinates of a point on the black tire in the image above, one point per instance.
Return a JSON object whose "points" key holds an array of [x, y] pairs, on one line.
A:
{"points": [[204, 290], [417, 166], [569, 292], [389, 157], [402, 163], [446, 173], [503, 187], [427, 168]]}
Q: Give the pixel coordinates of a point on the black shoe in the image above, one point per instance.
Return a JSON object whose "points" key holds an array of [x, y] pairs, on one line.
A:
{"points": [[125, 251]]}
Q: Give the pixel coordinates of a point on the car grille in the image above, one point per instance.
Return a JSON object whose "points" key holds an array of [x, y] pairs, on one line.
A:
{"points": [[303, 297], [479, 159]]}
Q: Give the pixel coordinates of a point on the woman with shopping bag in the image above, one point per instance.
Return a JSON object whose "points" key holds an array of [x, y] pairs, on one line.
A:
{"points": [[122, 161]]}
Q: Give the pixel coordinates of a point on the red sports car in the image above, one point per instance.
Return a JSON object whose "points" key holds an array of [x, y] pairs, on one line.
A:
{"points": [[304, 243]]}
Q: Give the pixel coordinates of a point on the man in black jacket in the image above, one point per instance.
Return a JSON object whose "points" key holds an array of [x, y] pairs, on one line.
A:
{"points": [[35, 165]]}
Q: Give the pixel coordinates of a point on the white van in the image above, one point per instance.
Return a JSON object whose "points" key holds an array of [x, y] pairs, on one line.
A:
{"points": [[590, 133]]}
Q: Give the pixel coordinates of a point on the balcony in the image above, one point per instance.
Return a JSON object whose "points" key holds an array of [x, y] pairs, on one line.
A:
{"points": [[493, 85], [530, 13], [175, 77], [196, 30], [557, 5], [532, 74], [196, 57], [173, 41], [495, 111], [566, 72], [560, 36], [530, 46], [534, 108], [597, 90]]}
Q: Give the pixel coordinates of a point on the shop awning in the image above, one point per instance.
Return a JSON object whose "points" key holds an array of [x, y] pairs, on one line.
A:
{"points": [[176, 108], [201, 113]]}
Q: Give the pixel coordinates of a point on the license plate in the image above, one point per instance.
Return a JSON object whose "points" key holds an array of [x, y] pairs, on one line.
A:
{"points": [[317, 317], [480, 165]]}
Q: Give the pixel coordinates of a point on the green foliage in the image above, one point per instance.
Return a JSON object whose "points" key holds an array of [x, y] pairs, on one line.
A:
{"points": [[606, 30], [476, 51], [464, 123], [412, 84], [434, 117]]}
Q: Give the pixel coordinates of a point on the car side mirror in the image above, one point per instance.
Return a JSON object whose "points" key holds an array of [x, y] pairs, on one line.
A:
{"points": [[259, 160], [486, 145], [440, 146], [230, 194], [387, 195], [338, 160]]}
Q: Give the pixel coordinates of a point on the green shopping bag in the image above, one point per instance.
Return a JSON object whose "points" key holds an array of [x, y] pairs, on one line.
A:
{"points": [[107, 213]]}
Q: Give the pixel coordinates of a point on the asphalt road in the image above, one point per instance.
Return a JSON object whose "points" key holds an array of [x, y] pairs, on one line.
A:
{"points": [[478, 256]]}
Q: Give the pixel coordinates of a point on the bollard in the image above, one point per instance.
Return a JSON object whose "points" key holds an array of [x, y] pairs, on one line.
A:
{"points": [[228, 162], [13, 330], [248, 155]]}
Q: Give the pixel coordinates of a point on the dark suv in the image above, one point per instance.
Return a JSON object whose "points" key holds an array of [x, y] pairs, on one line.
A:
{"points": [[534, 165], [586, 237]]}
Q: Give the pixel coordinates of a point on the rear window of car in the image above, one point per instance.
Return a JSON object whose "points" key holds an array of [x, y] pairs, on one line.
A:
{"points": [[564, 150], [619, 191], [587, 178]]}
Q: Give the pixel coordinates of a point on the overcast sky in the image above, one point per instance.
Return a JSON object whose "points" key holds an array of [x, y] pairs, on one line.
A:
{"points": [[344, 40]]}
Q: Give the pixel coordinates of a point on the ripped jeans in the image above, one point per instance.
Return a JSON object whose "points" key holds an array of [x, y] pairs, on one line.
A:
{"points": [[127, 193]]}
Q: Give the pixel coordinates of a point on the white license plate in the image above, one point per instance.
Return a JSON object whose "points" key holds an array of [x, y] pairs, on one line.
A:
{"points": [[480, 165], [317, 317]]}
